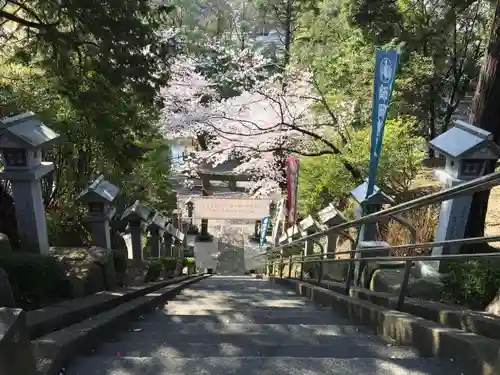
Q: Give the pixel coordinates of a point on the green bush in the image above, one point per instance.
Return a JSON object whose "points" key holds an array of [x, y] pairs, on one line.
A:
{"points": [[190, 263], [473, 283], [154, 271], [169, 263], [37, 280]]}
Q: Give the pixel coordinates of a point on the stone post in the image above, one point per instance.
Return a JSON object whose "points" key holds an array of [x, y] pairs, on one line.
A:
{"points": [[367, 205], [156, 228], [136, 215], [22, 138], [98, 196], [467, 150], [168, 241], [16, 356], [192, 229]]}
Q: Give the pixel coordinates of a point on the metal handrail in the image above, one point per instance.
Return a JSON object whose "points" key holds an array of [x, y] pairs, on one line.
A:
{"points": [[423, 245], [470, 187], [478, 184]]}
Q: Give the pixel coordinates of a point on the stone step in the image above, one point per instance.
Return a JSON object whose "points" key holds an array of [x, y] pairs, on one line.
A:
{"points": [[229, 317], [337, 348], [238, 339], [169, 329], [203, 309], [258, 366]]}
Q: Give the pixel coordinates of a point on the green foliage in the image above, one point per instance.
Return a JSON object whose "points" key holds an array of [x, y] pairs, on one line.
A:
{"points": [[37, 280], [169, 263], [473, 283], [166, 264], [154, 271], [323, 180], [75, 39]]}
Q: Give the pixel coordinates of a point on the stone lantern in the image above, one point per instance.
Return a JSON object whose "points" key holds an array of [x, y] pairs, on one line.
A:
{"points": [[369, 205], [368, 233], [136, 215], [22, 139], [192, 229], [330, 217], [98, 196], [467, 150], [156, 228]]}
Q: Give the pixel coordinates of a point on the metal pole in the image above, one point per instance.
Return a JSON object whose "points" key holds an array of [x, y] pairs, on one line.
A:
{"points": [[404, 285], [290, 267], [281, 266], [302, 265]]}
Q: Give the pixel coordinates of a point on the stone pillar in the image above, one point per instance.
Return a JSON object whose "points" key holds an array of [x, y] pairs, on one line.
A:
{"points": [[16, 356], [22, 138], [167, 243], [366, 206], [135, 230], [136, 215], [467, 150], [156, 227], [98, 196]]}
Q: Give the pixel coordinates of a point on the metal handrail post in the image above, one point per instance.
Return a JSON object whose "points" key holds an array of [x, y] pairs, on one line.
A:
{"points": [[320, 271], [404, 285], [302, 265], [281, 266]]}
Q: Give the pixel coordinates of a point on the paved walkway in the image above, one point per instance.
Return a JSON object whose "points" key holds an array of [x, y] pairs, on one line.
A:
{"points": [[243, 326]]}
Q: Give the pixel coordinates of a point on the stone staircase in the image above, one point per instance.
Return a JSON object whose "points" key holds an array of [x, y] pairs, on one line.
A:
{"points": [[240, 325]]}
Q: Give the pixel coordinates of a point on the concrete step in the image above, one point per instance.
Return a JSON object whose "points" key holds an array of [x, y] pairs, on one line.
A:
{"points": [[337, 348], [238, 339], [258, 366], [153, 328], [202, 309], [229, 317]]}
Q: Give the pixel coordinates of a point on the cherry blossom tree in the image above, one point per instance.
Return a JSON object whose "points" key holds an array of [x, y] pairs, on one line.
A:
{"points": [[271, 115]]}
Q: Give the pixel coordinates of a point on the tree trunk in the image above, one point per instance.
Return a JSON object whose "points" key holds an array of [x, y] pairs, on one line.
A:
{"points": [[486, 114]]}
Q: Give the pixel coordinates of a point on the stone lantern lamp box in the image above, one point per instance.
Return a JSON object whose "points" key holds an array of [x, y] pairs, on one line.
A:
{"points": [[136, 212], [22, 139], [378, 197], [158, 222], [98, 196], [467, 150]]}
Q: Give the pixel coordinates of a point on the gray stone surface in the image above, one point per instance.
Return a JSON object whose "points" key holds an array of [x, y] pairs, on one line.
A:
{"points": [[241, 325]]}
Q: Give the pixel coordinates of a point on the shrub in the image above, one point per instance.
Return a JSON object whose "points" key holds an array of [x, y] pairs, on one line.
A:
{"points": [[473, 283], [154, 271], [37, 280], [190, 263], [169, 263]]}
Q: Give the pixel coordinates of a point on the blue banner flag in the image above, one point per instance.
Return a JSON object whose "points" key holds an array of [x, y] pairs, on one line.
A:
{"points": [[386, 63], [264, 224]]}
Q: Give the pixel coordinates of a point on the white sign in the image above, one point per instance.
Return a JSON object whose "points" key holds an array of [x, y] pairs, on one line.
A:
{"points": [[223, 208]]}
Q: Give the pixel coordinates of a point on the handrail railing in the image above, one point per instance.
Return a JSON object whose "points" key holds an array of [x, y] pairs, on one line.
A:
{"points": [[470, 187]]}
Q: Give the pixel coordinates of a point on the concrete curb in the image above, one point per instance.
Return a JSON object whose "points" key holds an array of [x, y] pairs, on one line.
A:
{"points": [[473, 354], [477, 322], [61, 315], [54, 351]]}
